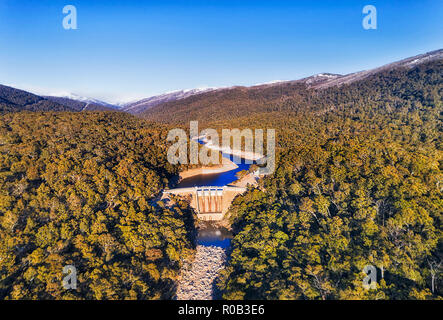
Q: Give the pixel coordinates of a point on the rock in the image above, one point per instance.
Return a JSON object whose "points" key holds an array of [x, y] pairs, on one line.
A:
{"points": [[197, 280]]}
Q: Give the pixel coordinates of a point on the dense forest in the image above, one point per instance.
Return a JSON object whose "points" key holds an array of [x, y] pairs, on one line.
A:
{"points": [[358, 183], [79, 189]]}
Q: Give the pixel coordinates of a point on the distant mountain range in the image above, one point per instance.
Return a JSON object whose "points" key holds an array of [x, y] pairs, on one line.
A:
{"points": [[147, 103], [235, 102], [318, 81], [13, 100], [156, 107], [80, 103], [326, 80]]}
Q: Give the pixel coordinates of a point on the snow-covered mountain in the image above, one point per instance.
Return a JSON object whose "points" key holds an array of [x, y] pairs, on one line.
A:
{"points": [[270, 83], [238, 101], [337, 80], [320, 78], [140, 106], [80, 103], [326, 80], [85, 101], [318, 81]]}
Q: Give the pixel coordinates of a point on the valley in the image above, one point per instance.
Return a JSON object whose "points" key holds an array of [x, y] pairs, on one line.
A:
{"points": [[357, 182]]}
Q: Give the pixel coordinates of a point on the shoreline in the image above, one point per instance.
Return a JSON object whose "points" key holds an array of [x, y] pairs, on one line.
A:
{"points": [[227, 165], [238, 153], [198, 274], [243, 182]]}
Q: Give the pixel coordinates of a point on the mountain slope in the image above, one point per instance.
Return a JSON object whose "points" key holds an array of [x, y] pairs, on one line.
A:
{"points": [[148, 103], [407, 63], [235, 102], [76, 188], [357, 183], [13, 100], [84, 104]]}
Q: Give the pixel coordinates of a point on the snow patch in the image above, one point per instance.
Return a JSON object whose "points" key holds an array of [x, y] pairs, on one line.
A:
{"points": [[270, 82]]}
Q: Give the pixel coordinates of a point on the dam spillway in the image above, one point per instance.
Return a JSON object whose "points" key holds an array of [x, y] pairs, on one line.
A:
{"points": [[211, 203], [209, 200]]}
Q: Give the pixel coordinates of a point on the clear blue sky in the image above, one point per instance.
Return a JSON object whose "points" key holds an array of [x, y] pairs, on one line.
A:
{"points": [[124, 50]]}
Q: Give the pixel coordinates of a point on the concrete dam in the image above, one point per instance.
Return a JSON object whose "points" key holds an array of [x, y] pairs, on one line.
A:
{"points": [[210, 203]]}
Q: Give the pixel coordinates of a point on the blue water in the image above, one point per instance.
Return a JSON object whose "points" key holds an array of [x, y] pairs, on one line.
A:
{"points": [[210, 235], [222, 243], [216, 179]]}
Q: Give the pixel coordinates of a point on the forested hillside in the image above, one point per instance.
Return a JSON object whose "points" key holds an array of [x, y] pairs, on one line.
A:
{"points": [[78, 105], [288, 98], [358, 183], [13, 100], [79, 189], [228, 104]]}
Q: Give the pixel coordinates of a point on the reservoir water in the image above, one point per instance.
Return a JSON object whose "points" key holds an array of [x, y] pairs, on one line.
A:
{"points": [[213, 242], [216, 179], [208, 233]]}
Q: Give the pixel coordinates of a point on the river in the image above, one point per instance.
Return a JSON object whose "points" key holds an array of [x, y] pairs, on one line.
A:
{"points": [[198, 276], [215, 179], [208, 233]]}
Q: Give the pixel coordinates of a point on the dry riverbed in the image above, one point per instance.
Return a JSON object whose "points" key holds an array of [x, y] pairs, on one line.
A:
{"points": [[198, 277]]}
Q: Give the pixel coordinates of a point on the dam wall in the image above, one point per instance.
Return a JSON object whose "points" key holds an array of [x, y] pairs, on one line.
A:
{"points": [[210, 203]]}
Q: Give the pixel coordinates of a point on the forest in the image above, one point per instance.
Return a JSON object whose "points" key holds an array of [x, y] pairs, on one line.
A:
{"points": [[358, 183], [80, 189]]}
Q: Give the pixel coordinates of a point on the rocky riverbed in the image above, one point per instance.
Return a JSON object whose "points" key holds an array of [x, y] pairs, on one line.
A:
{"points": [[198, 276]]}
